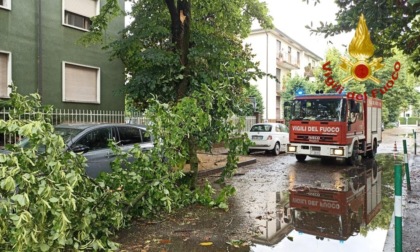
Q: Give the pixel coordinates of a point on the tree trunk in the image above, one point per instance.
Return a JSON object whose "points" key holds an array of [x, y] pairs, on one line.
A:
{"points": [[192, 144], [180, 28]]}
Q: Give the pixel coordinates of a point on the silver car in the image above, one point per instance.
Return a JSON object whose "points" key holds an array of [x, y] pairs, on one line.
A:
{"points": [[92, 141]]}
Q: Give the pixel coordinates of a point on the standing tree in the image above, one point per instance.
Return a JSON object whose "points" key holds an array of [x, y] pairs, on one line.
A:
{"points": [[177, 49]]}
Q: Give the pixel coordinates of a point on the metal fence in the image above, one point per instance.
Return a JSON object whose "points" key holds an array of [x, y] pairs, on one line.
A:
{"points": [[60, 116]]}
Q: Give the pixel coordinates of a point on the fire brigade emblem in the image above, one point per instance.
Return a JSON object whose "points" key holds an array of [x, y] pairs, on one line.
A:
{"points": [[361, 49]]}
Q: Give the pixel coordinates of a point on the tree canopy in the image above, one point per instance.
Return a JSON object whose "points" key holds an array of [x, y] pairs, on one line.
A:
{"points": [[402, 93], [391, 24], [176, 49]]}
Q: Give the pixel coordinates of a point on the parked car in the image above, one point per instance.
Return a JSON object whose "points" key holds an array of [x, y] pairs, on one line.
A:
{"points": [[394, 124], [270, 137], [92, 141]]}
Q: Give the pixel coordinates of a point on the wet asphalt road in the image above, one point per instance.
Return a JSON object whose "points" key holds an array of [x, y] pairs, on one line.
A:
{"points": [[260, 217]]}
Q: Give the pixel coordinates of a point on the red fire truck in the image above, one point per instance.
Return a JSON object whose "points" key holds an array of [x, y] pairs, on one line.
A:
{"points": [[339, 212], [334, 126]]}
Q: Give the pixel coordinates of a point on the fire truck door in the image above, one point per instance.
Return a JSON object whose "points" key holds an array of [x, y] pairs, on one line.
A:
{"points": [[355, 117]]}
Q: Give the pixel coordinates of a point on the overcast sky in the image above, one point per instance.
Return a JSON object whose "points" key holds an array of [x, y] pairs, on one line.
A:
{"points": [[291, 17]]}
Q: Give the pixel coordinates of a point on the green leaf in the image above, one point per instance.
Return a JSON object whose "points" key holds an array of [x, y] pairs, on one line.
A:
{"points": [[44, 247], [53, 200], [20, 199], [8, 184]]}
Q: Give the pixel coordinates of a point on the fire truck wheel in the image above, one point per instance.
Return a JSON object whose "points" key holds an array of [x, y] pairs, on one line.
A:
{"points": [[300, 157], [352, 160], [372, 153], [276, 149]]}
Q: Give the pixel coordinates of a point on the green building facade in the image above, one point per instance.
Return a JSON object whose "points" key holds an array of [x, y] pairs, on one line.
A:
{"points": [[39, 53]]}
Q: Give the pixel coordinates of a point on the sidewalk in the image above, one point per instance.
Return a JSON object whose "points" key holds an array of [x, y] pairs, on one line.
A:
{"points": [[410, 204]]}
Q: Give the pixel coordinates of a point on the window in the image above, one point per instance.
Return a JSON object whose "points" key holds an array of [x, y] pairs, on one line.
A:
{"points": [[81, 83], [129, 135], [5, 4], [298, 58], [145, 136], [278, 74], [284, 128], [5, 74], [77, 13], [96, 139], [77, 20], [278, 49]]}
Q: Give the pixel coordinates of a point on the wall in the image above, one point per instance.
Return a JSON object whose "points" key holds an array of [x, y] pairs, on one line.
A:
{"points": [[19, 34]]}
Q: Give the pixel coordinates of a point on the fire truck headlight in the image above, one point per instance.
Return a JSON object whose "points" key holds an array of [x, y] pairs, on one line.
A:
{"points": [[337, 152], [291, 148]]}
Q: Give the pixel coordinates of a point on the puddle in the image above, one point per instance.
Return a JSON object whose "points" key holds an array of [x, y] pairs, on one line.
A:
{"points": [[351, 213]]}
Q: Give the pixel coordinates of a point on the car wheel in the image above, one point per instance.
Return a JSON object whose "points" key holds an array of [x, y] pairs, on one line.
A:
{"points": [[276, 150], [300, 157], [352, 160], [372, 153]]}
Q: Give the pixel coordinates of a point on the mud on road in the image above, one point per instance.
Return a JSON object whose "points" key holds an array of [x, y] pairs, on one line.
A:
{"points": [[199, 228]]}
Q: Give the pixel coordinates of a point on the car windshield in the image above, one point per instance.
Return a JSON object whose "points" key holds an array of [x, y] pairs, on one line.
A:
{"points": [[319, 110], [261, 128], [65, 133]]}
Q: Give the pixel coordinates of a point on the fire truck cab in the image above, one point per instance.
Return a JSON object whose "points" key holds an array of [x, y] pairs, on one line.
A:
{"points": [[334, 126]]}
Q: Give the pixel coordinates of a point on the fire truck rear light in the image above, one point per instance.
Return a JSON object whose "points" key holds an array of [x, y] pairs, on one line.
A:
{"points": [[291, 148], [337, 152]]}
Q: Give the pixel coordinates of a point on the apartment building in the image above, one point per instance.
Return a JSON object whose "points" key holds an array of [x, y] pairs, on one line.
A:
{"points": [[39, 52], [280, 56]]}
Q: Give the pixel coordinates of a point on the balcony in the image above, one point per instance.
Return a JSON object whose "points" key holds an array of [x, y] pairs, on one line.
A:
{"points": [[286, 60]]}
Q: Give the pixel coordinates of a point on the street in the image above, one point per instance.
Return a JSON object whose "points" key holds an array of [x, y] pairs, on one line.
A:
{"points": [[354, 213]]}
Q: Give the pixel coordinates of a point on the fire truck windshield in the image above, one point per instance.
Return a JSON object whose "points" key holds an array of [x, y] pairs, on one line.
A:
{"points": [[319, 110]]}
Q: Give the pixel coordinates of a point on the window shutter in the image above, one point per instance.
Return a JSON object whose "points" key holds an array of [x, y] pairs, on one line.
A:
{"points": [[85, 8], [81, 83], [4, 60]]}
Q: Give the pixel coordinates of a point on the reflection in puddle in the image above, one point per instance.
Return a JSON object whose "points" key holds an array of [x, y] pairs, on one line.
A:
{"points": [[330, 215], [337, 214], [274, 225]]}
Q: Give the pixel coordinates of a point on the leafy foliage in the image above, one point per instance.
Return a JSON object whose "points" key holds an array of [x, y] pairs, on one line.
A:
{"points": [[155, 181], [176, 48], [403, 93], [397, 98], [249, 110], [296, 84], [391, 24], [46, 201]]}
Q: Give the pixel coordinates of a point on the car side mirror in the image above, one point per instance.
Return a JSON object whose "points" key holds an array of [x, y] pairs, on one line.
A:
{"points": [[80, 148]]}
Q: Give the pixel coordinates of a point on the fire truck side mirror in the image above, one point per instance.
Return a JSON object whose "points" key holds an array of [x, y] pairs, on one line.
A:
{"points": [[357, 108], [354, 107]]}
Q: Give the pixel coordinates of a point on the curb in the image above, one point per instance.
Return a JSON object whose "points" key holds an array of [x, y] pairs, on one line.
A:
{"points": [[220, 169]]}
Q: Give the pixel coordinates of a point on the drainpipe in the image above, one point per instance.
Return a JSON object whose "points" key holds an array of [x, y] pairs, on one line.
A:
{"points": [[266, 77], [39, 21]]}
